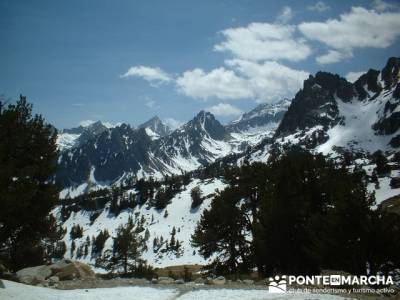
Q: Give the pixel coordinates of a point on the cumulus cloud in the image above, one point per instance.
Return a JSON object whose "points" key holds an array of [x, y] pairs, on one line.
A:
{"points": [[264, 41], [319, 7], [154, 75], [224, 110], [220, 83], [353, 76], [360, 28], [285, 15], [332, 56], [268, 81]]}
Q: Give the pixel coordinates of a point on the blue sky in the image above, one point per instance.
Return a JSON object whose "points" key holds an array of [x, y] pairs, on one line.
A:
{"points": [[126, 61]]}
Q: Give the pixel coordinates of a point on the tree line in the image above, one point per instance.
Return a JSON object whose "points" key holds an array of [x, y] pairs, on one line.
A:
{"points": [[29, 235], [299, 214]]}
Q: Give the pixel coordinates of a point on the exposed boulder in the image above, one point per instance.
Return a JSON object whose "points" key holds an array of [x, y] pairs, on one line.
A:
{"points": [[216, 281], [53, 280], [199, 281], [3, 269], [67, 270], [34, 275], [165, 280], [179, 281], [248, 281]]}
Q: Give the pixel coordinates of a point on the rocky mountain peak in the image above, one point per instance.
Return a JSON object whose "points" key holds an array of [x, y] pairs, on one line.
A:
{"points": [[331, 83], [156, 126], [391, 72], [205, 123], [367, 82], [265, 114]]}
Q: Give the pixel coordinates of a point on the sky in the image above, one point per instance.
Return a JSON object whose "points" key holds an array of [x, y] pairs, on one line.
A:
{"points": [[127, 61]]}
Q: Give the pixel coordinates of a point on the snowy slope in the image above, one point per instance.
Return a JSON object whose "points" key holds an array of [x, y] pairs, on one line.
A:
{"points": [[15, 290], [356, 131], [179, 216], [18, 291], [66, 140]]}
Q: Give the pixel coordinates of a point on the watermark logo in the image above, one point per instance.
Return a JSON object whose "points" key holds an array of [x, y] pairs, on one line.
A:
{"points": [[277, 284], [336, 280], [330, 284]]}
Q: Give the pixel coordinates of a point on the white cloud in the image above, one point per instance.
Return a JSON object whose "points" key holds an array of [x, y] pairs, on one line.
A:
{"points": [[224, 110], [154, 75], [86, 123], [360, 28], [319, 7], [173, 123], [381, 6], [285, 15], [353, 76], [332, 56], [268, 81], [220, 83], [264, 41]]}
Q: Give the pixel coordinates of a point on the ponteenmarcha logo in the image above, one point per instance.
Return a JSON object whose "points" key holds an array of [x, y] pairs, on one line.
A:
{"points": [[335, 280], [277, 284]]}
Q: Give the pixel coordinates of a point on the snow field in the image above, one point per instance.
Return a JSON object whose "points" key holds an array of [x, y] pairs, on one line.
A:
{"points": [[18, 291]]}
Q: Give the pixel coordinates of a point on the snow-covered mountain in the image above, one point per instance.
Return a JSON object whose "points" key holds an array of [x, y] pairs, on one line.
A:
{"points": [[258, 124], [74, 137], [331, 113], [264, 114], [328, 115], [155, 128], [96, 156]]}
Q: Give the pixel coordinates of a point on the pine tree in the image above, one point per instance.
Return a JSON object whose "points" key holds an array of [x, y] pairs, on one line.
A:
{"points": [[197, 198], [99, 241], [73, 246], [156, 245], [146, 234], [86, 250], [381, 162], [222, 230], [127, 249], [28, 155], [55, 247], [316, 207], [172, 242], [76, 232]]}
